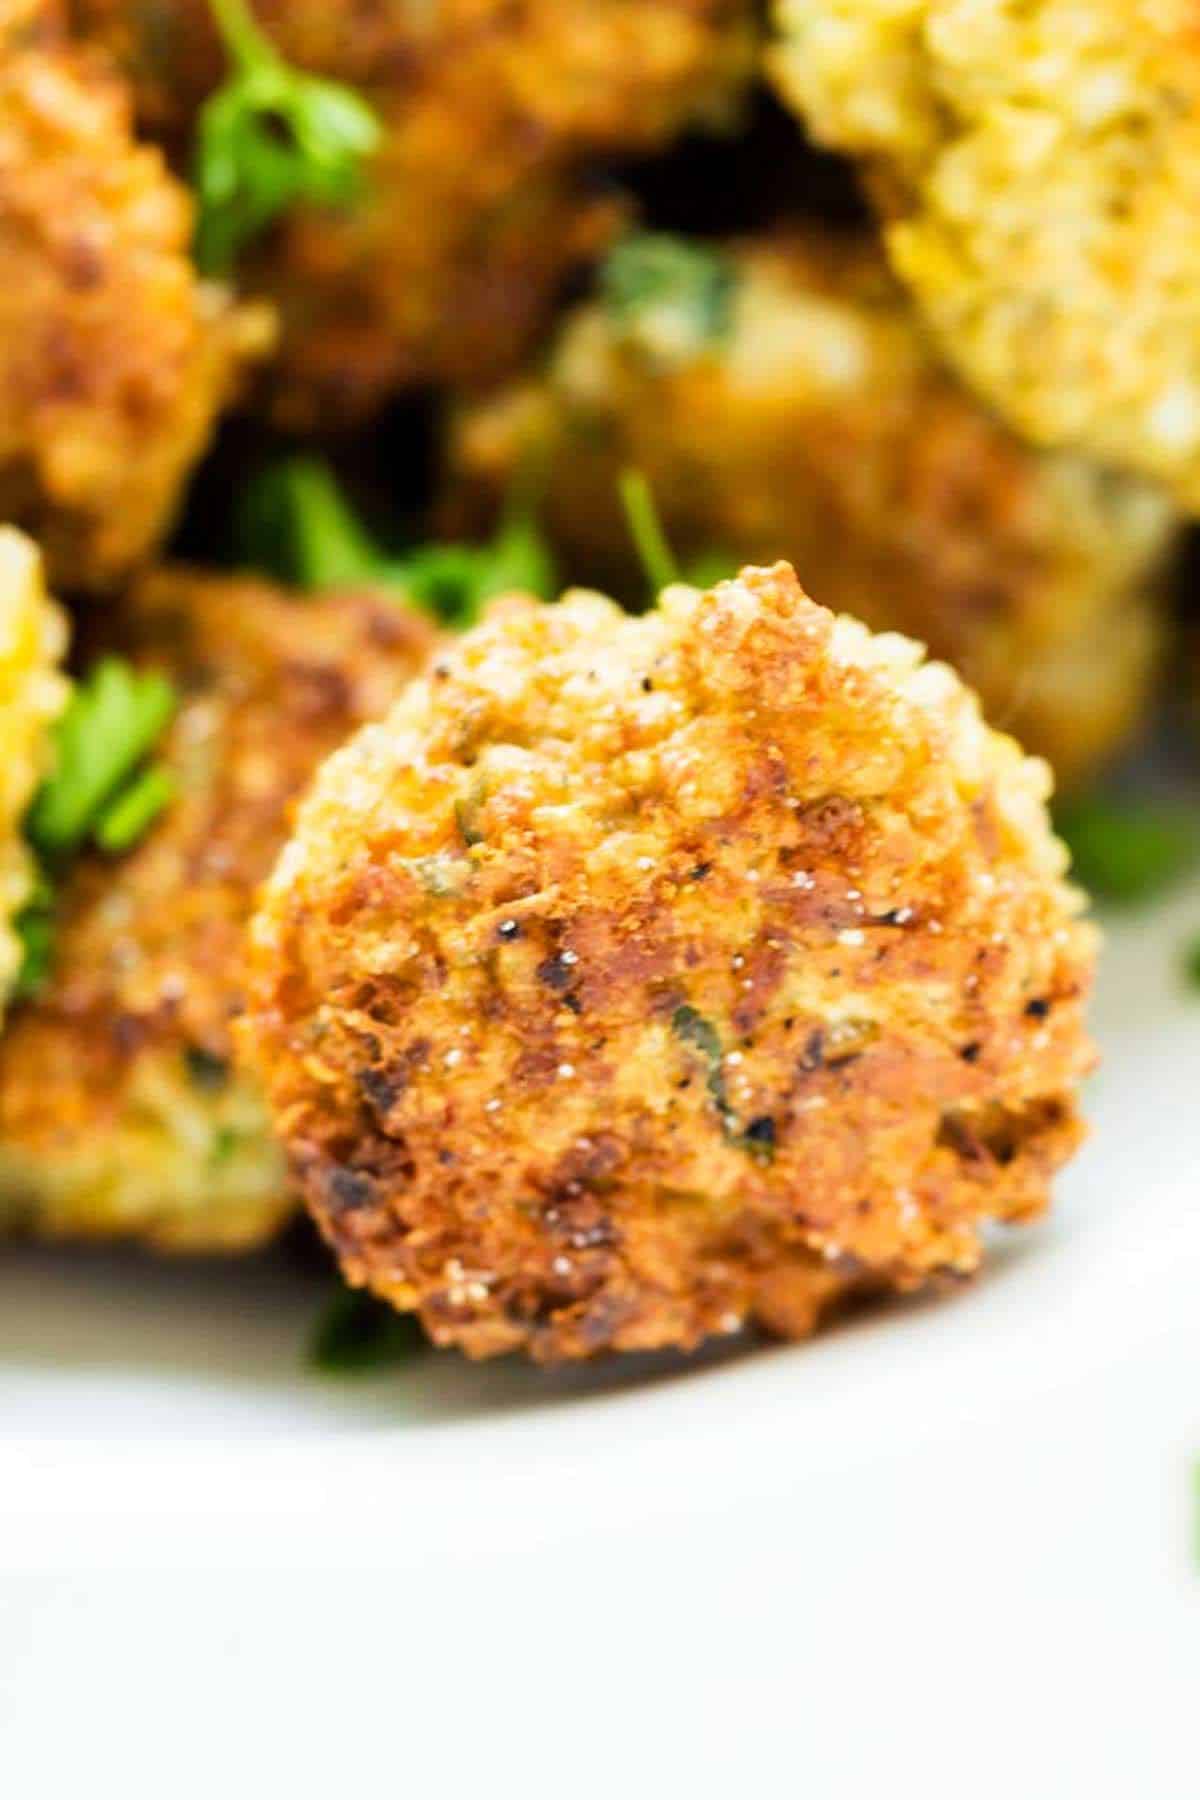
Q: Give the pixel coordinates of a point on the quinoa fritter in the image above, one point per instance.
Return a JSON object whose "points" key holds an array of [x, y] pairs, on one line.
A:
{"points": [[478, 203], [33, 639], [781, 400], [1038, 167], [114, 359], [640, 976], [122, 1112]]}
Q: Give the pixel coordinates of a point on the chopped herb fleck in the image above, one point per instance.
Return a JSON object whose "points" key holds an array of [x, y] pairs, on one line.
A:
{"points": [[357, 1334], [758, 1139], [270, 138]]}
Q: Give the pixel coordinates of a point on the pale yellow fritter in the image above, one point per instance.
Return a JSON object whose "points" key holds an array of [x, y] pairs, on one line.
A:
{"points": [[122, 1110], [114, 359], [477, 204], [1038, 167], [637, 977], [33, 639], [815, 424]]}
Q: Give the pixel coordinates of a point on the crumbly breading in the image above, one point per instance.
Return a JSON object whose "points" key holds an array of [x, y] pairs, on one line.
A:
{"points": [[637, 977], [123, 1111], [1038, 167], [818, 426], [33, 691]]}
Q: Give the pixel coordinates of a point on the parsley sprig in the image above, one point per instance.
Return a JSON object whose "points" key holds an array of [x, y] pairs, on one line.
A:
{"points": [[112, 722], [645, 528], [1126, 852], [660, 565], [271, 137], [297, 524], [357, 1334], [671, 296], [104, 790]]}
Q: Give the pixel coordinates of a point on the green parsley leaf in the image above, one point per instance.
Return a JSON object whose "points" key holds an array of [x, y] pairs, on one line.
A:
{"points": [[1191, 963], [34, 926], [270, 138], [672, 297], [1127, 851], [358, 1335], [131, 814], [708, 567], [295, 522], [111, 723], [518, 559], [99, 791]]}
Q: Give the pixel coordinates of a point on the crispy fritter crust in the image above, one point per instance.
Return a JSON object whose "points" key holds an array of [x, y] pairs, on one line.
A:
{"points": [[820, 428], [114, 360], [637, 977], [477, 207], [33, 640], [121, 1111], [1039, 169]]}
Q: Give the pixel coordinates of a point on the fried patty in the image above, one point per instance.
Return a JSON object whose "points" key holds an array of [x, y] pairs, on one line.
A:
{"points": [[1038, 169], [638, 977], [479, 201], [800, 413], [33, 638], [122, 1109], [115, 361]]}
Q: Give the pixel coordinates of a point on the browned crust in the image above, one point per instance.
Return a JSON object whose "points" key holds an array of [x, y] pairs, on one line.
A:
{"points": [[471, 972]]}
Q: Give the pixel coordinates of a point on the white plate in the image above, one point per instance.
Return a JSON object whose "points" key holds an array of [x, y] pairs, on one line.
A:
{"points": [[950, 1547]]}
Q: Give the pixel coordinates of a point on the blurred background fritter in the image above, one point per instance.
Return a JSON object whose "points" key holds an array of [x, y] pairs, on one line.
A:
{"points": [[1038, 172], [479, 202], [781, 400], [115, 360], [33, 640], [122, 1112], [637, 977]]}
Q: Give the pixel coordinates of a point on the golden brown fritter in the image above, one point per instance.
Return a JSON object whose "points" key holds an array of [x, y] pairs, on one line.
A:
{"points": [[639, 976], [121, 1111], [1038, 166], [476, 206], [33, 639], [114, 360], [806, 416]]}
